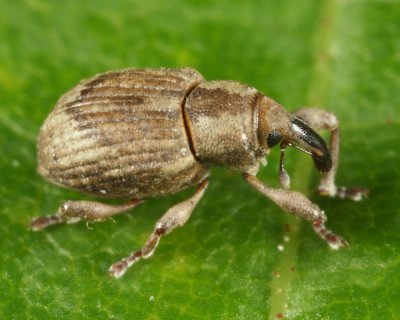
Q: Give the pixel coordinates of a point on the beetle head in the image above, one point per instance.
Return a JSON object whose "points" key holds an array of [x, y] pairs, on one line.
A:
{"points": [[276, 125]]}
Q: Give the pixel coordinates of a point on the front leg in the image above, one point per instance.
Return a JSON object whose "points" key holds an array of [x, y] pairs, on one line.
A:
{"points": [[297, 204], [320, 119]]}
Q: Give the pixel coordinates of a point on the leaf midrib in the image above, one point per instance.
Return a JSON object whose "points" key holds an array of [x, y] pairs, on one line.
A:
{"points": [[302, 174]]}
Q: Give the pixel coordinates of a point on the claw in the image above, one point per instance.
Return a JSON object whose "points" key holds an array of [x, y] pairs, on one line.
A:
{"points": [[334, 241], [118, 269], [42, 222], [355, 194]]}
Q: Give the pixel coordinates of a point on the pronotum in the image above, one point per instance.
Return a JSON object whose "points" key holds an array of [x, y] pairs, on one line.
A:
{"points": [[140, 133]]}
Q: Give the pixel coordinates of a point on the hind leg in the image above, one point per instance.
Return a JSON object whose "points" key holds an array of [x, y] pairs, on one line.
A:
{"points": [[74, 211]]}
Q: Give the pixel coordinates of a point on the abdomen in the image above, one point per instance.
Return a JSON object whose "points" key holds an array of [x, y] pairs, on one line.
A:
{"points": [[122, 134]]}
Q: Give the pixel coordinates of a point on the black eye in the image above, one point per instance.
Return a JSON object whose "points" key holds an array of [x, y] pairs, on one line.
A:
{"points": [[274, 138]]}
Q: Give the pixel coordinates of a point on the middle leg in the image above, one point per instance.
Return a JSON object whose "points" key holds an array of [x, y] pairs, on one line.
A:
{"points": [[175, 217]]}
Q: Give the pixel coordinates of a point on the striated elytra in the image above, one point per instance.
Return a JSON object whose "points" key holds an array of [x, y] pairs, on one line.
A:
{"points": [[140, 133]]}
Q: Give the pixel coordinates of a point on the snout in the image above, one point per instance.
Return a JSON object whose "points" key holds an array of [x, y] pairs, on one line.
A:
{"points": [[313, 144]]}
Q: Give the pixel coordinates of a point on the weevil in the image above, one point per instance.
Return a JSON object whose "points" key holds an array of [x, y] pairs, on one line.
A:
{"points": [[135, 134]]}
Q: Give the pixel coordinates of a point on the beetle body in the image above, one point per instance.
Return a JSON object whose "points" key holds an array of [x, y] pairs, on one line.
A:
{"points": [[149, 132], [142, 133]]}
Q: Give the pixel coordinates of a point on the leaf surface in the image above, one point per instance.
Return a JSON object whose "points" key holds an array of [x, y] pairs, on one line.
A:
{"points": [[224, 264]]}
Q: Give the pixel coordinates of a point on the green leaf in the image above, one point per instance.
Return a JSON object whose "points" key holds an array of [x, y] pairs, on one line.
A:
{"points": [[224, 264]]}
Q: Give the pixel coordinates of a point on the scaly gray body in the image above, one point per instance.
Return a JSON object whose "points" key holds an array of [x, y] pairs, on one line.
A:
{"points": [[113, 134]]}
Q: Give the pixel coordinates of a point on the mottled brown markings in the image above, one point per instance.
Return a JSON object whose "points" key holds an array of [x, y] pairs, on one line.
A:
{"points": [[113, 183], [136, 83], [111, 160], [230, 156], [120, 184], [135, 75], [130, 122], [141, 147], [116, 116], [137, 89], [127, 158], [141, 122], [151, 168], [214, 102], [89, 123], [222, 124], [165, 133], [140, 179], [164, 74], [80, 101], [161, 134], [143, 126], [131, 79], [78, 144], [122, 100], [106, 104], [161, 123], [137, 95], [124, 110], [112, 91]]}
